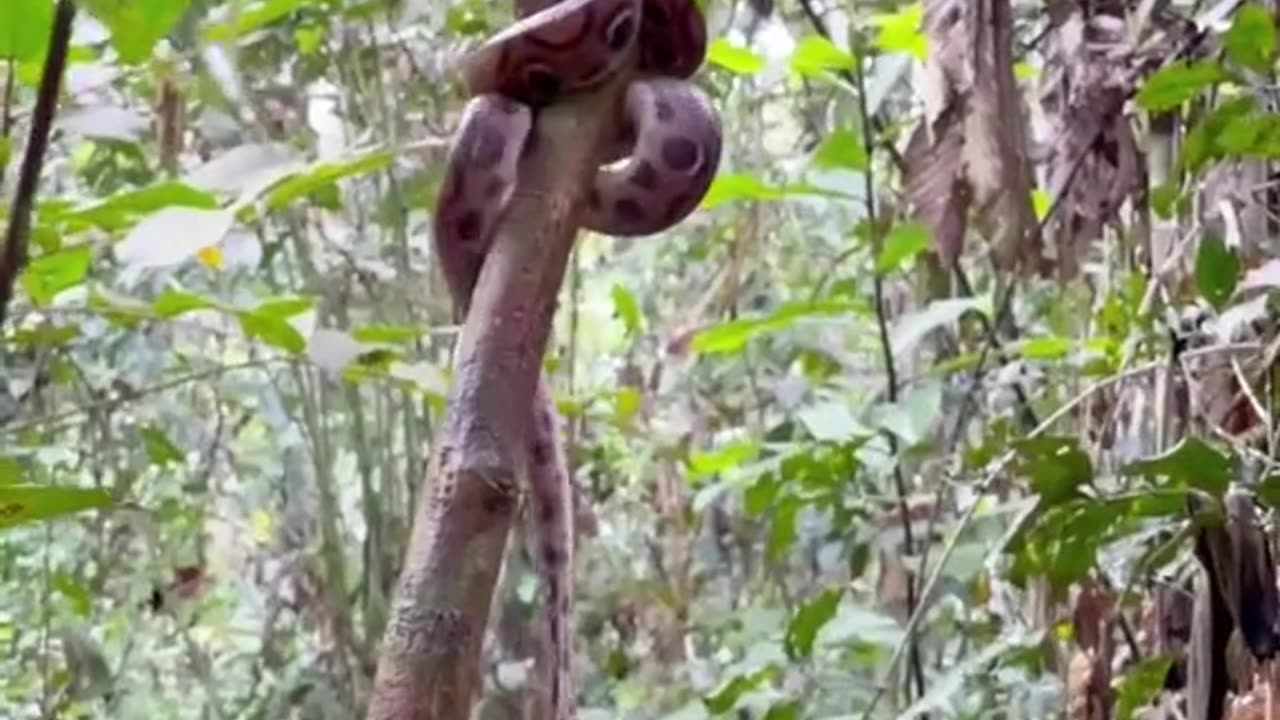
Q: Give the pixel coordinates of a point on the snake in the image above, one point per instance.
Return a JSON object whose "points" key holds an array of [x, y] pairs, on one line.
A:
{"points": [[657, 165]]}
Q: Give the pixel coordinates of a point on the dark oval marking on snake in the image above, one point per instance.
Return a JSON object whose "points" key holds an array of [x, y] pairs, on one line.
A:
{"points": [[680, 153]]}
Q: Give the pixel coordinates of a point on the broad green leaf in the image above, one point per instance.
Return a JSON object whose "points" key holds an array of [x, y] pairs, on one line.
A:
{"points": [[784, 710], [735, 59], [1057, 467], [11, 471], [1171, 86], [171, 303], [1251, 41], [732, 336], [841, 149], [730, 187], [815, 55], [902, 31], [136, 25], [284, 307], [1047, 348], [1202, 139], [726, 458], [1190, 464], [324, 175], [77, 595], [1217, 270], [117, 211], [48, 275], [20, 504], [274, 331], [25, 26], [905, 242], [626, 403], [1140, 684], [808, 620], [627, 309]]}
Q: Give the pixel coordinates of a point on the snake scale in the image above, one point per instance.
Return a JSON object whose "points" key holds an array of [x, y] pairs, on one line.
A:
{"points": [[655, 170]]}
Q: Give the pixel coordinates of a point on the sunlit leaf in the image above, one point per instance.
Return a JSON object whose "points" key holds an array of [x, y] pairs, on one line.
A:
{"points": [[816, 55], [24, 29], [20, 504], [1191, 463], [48, 275], [1140, 684], [1171, 86], [1251, 41], [735, 59], [159, 447], [843, 149], [901, 31], [136, 25], [627, 309], [732, 336]]}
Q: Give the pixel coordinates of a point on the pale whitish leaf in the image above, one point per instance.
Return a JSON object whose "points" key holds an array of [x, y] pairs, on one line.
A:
{"points": [[912, 416], [1265, 276], [333, 350], [911, 329], [105, 122], [244, 167], [173, 235], [1234, 322], [514, 674], [854, 624], [830, 421], [425, 376]]}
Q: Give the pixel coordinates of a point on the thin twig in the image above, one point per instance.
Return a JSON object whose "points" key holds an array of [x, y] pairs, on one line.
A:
{"points": [[891, 372], [14, 257]]}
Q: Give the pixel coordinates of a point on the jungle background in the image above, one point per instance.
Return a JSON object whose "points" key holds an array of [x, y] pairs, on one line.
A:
{"points": [[901, 423]]}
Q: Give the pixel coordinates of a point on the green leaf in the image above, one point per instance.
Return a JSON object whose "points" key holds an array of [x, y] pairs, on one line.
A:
{"points": [[324, 175], [808, 620], [1202, 139], [730, 187], [1047, 348], [737, 60], [77, 595], [816, 55], [905, 242], [841, 149], [1189, 464], [902, 31], [273, 330], [732, 336], [1217, 270], [1171, 86], [159, 448], [724, 698], [20, 504], [171, 303], [1164, 199], [730, 456], [785, 710], [25, 26], [119, 210], [1056, 466], [284, 307], [11, 471], [783, 532], [50, 274], [1251, 41], [1140, 684], [136, 25], [627, 309]]}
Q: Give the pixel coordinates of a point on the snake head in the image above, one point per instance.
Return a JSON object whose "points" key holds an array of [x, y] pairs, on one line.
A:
{"points": [[570, 46]]}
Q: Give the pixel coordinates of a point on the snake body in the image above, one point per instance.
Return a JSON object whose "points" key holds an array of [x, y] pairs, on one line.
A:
{"points": [[664, 154]]}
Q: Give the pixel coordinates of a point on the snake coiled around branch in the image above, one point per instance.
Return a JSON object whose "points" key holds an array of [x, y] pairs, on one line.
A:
{"points": [[655, 169]]}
